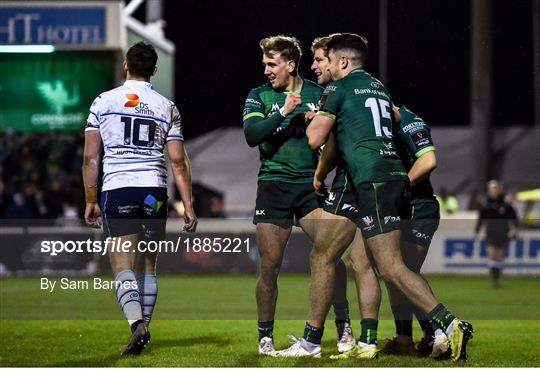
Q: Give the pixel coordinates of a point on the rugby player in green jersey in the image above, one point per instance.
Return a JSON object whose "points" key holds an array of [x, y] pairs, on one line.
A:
{"points": [[417, 151], [274, 121], [336, 225], [360, 108]]}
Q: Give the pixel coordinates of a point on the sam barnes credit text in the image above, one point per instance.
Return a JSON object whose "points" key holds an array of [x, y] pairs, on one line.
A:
{"points": [[73, 284]]}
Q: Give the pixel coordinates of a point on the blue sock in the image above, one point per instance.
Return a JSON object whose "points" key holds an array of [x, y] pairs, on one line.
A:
{"points": [[148, 291]]}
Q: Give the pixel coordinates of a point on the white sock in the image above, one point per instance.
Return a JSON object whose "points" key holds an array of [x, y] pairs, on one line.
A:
{"points": [[450, 327], [366, 345], [127, 295], [308, 346]]}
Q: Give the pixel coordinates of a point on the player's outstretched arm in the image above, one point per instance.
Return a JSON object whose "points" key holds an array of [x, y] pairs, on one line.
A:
{"points": [[327, 161], [90, 172], [422, 167], [182, 177]]}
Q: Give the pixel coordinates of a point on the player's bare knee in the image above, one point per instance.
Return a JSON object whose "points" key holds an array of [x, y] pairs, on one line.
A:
{"points": [[322, 257], [390, 274], [413, 265], [359, 265], [270, 269]]}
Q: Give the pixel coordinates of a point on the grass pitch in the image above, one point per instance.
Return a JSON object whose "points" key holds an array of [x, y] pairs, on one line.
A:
{"points": [[210, 321]]}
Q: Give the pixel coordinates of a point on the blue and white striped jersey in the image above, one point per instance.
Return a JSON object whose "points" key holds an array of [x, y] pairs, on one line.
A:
{"points": [[134, 122]]}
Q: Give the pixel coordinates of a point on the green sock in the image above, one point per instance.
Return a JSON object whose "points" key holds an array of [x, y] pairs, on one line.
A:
{"points": [[266, 329], [369, 331], [342, 311], [441, 317], [313, 334]]}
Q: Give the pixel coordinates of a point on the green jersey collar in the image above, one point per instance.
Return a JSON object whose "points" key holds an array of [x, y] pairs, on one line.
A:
{"points": [[298, 91], [357, 70]]}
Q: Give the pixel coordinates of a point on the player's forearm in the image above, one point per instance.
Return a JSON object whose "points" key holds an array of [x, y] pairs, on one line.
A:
{"points": [[328, 159], [422, 167], [323, 168], [182, 177], [316, 138], [90, 173], [319, 129], [418, 173], [258, 130]]}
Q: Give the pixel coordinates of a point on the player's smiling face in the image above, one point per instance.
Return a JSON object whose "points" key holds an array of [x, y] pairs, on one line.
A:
{"points": [[320, 67], [278, 70]]}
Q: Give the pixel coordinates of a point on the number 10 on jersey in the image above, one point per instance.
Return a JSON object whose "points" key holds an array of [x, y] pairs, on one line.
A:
{"points": [[135, 128]]}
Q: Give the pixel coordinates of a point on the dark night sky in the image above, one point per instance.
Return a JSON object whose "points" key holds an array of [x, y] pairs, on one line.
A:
{"points": [[218, 59]]}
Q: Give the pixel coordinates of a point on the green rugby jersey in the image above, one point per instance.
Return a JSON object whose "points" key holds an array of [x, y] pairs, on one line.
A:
{"points": [[362, 108], [290, 160], [413, 140]]}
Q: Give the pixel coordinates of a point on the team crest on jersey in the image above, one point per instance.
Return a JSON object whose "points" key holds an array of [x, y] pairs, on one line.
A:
{"points": [[133, 100], [420, 139], [389, 145]]}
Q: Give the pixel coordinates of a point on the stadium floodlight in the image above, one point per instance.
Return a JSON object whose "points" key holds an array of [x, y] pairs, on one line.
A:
{"points": [[26, 48]]}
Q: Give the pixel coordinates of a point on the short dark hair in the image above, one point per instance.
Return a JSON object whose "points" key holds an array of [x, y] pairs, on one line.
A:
{"points": [[141, 60], [349, 42]]}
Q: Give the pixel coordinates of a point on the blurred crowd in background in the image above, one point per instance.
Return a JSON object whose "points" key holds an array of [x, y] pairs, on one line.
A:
{"points": [[40, 175], [40, 178]]}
